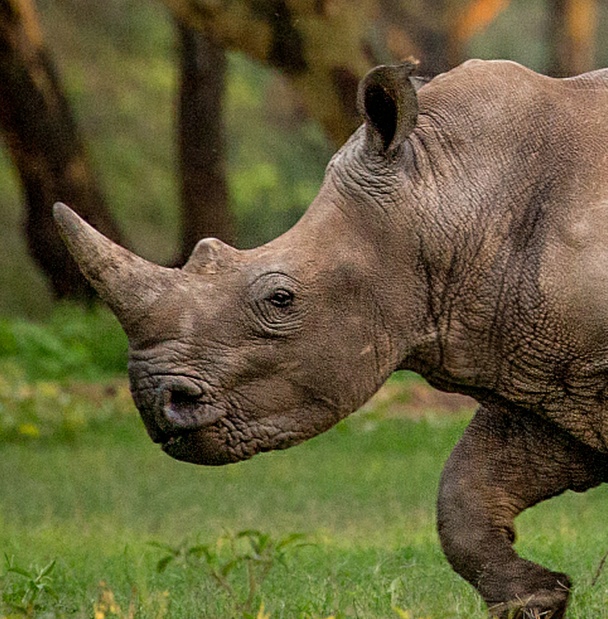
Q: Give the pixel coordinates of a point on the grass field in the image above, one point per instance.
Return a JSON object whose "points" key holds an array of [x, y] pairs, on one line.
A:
{"points": [[90, 510], [95, 501]]}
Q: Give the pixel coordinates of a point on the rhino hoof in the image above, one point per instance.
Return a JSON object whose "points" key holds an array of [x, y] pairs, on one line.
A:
{"points": [[547, 604]]}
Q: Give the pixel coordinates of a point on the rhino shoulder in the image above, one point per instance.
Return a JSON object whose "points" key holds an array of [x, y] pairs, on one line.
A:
{"points": [[479, 70], [593, 80]]}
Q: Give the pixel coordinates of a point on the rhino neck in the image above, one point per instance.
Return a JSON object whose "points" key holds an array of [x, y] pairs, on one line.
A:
{"points": [[414, 255], [482, 250], [465, 258], [379, 239]]}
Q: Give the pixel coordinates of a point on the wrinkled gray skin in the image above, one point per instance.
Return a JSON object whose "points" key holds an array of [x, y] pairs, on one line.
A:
{"points": [[462, 232]]}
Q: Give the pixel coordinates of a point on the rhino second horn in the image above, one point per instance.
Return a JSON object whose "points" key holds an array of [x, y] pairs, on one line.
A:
{"points": [[209, 256], [127, 283]]}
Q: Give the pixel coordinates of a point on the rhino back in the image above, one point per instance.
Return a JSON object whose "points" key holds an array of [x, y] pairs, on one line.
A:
{"points": [[518, 166]]}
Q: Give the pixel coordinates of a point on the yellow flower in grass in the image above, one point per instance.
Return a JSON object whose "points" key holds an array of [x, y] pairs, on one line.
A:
{"points": [[106, 603], [31, 430], [49, 390], [262, 614], [404, 614]]}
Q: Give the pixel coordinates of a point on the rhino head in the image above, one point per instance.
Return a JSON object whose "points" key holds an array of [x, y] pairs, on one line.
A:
{"points": [[240, 352]]}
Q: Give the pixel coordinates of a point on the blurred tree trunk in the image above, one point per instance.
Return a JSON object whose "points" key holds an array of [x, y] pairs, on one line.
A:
{"points": [[572, 28], [416, 29], [44, 144], [437, 31], [325, 47], [201, 142]]}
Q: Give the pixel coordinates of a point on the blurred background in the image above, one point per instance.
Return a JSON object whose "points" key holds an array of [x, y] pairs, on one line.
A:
{"points": [[164, 121]]}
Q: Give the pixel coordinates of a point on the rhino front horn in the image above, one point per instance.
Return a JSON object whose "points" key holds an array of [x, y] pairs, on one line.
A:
{"points": [[127, 283]]}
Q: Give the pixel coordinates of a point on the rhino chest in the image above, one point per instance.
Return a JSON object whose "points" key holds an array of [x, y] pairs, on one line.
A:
{"points": [[532, 347], [544, 368]]}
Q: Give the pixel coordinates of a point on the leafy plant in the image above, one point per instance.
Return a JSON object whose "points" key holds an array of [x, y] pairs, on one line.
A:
{"points": [[85, 344], [248, 555], [30, 588], [404, 614]]}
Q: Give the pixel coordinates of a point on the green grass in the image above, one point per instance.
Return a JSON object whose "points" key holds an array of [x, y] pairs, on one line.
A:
{"points": [[363, 495], [87, 497]]}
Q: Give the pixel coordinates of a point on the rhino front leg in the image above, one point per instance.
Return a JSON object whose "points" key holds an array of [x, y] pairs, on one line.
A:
{"points": [[507, 461]]}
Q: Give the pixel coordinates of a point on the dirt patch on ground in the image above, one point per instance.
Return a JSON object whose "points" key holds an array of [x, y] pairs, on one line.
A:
{"points": [[417, 398]]}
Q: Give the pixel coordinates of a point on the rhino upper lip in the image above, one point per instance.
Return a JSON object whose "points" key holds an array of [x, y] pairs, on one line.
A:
{"points": [[164, 437], [172, 441]]}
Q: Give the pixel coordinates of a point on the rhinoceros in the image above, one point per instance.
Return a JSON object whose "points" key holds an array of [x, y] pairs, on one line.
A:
{"points": [[462, 233]]}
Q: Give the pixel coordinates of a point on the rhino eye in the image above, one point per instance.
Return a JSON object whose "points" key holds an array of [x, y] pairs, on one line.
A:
{"points": [[281, 298], [277, 304]]}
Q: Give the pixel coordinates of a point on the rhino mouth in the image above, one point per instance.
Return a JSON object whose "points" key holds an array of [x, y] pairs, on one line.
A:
{"points": [[173, 442], [174, 409], [177, 446], [200, 446], [187, 445]]}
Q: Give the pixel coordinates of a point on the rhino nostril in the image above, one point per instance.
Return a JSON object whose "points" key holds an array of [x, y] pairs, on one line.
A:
{"points": [[181, 399], [184, 407], [180, 408]]}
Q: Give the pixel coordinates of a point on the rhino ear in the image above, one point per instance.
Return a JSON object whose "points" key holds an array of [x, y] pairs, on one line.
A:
{"points": [[387, 99]]}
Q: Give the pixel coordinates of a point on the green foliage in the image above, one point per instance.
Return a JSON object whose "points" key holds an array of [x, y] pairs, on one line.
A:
{"points": [[31, 412], [42, 411], [122, 76], [25, 591], [276, 160], [76, 343], [363, 494], [95, 503], [247, 556], [37, 358]]}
